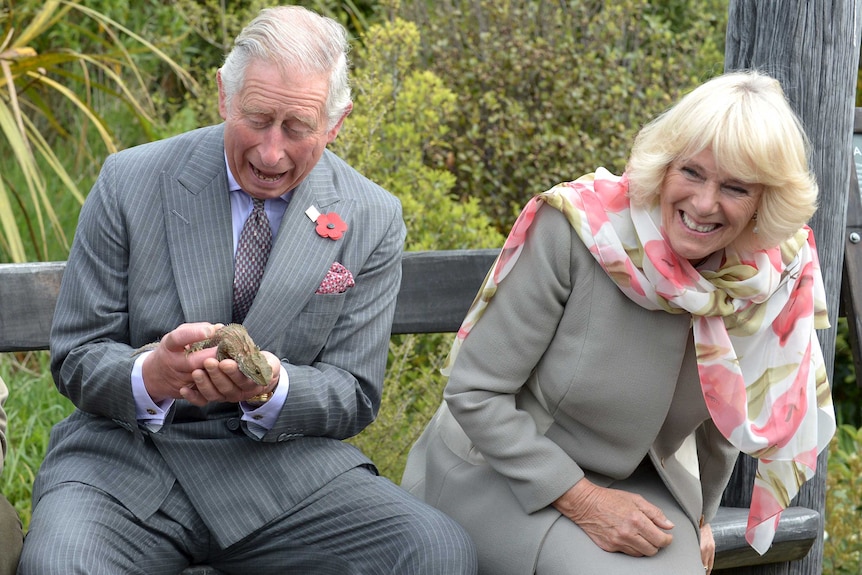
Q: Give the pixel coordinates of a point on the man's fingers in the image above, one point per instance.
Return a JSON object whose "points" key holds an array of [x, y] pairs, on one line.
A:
{"points": [[192, 395], [187, 334]]}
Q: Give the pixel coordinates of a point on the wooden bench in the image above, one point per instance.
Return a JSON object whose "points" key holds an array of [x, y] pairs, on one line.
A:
{"points": [[436, 290]]}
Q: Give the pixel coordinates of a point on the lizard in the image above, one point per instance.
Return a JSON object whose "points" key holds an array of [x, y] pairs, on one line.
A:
{"points": [[233, 342]]}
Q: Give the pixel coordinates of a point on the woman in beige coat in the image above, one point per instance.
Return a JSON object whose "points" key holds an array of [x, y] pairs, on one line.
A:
{"points": [[634, 335]]}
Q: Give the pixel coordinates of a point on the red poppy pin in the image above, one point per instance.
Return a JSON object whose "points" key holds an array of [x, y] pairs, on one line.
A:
{"points": [[328, 225]]}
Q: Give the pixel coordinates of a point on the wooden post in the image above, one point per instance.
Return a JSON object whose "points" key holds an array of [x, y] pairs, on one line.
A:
{"points": [[812, 48]]}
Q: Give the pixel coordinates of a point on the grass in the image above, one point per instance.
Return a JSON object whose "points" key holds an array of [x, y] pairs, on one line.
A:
{"points": [[33, 407]]}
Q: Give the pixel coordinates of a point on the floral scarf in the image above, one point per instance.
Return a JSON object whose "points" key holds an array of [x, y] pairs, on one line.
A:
{"points": [[754, 319]]}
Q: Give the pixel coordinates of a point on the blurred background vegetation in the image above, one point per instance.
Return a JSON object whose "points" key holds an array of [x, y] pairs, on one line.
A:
{"points": [[463, 109]]}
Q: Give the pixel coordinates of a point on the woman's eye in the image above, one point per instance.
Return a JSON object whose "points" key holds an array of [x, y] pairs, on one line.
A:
{"points": [[737, 190], [690, 172]]}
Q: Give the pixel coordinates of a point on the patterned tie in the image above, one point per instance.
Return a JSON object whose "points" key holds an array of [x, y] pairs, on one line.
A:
{"points": [[252, 252]]}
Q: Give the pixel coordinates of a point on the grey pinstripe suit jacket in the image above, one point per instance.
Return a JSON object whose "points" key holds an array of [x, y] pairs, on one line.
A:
{"points": [[153, 249]]}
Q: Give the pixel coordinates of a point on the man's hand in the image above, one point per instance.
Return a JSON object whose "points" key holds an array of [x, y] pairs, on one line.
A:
{"points": [[170, 372], [616, 520], [222, 381], [167, 371]]}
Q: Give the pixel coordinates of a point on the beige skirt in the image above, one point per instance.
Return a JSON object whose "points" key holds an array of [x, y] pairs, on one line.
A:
{"points": [[567, 549], [511, 542]]}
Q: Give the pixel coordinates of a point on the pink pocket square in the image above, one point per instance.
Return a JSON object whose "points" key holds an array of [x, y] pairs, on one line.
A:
{"points": [[337, 280]]}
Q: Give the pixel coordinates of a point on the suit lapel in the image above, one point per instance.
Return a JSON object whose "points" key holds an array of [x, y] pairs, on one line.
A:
{"points": [[300, 257], [199, 231]]}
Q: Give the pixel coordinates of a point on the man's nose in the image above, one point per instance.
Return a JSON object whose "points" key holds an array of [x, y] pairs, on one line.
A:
{"points": [[272, 147]]}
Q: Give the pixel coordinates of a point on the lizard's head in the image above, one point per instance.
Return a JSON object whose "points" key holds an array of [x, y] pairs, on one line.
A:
{"points": [[258, 371]]}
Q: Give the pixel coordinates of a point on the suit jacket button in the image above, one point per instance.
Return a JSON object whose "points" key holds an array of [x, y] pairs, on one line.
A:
{"points": [[233, 423]]}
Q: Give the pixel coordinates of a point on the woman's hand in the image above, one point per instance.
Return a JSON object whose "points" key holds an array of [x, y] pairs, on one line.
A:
{"points": [[616, 520], [707, 548]]}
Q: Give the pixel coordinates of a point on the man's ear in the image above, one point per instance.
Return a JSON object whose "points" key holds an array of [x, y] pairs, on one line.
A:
{"points": [[333, 132], [222, 100]]}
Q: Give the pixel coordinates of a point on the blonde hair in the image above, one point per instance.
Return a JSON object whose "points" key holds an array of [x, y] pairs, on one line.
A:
{"points": [[745, 119]]}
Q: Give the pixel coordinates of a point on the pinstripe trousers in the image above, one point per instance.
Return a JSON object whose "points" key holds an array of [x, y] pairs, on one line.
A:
{"points": [[358, 523]]}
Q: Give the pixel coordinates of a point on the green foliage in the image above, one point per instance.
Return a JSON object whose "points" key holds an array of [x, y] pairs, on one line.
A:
{"points": [[842, 547], [33, 407], [549, 90], [846, 392], [53, 96], [355, 16], [398, 116], [859, 80]]}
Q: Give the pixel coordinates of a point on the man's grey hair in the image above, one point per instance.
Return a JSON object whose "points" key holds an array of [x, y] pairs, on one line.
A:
{"points": [[293, 38]]}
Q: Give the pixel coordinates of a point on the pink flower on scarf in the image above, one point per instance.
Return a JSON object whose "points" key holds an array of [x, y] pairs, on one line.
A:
{"points": [[724, 392], [612, 194], [764, 507], [517, 237], [595, 213], [789, 409], [775, 259], [808, 458], [800, 304], [668, 264]]}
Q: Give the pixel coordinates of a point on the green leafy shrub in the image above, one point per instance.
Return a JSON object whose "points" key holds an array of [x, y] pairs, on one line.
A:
{"points": [[846, 393], [549, 90], [398, 117], [842, 547]]}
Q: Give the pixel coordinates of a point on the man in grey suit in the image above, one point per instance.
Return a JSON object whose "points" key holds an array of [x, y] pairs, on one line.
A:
{"points": [[174, 458]]}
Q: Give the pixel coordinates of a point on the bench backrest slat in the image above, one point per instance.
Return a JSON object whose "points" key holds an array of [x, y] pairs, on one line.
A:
{"points": [[436, 289], [28, 294]]}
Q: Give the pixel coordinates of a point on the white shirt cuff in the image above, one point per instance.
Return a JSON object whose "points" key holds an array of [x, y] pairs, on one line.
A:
{"points": [[149, 413], [261, 419]]}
